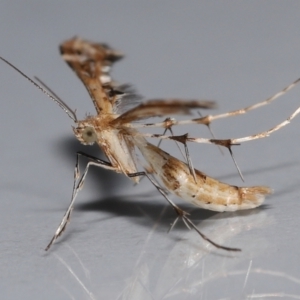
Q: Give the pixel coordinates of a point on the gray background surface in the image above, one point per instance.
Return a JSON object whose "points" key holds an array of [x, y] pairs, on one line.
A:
{"points": [[117, 246]]}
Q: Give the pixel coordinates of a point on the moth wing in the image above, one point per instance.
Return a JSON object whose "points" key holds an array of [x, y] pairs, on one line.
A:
{"points": [[162, 107], [91, 62], [119, 149]]}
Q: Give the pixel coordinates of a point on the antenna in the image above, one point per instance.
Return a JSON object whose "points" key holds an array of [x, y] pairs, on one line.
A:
{"points": [[56, 99]]}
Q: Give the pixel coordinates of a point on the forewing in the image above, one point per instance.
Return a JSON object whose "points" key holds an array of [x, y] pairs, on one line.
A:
{"points": [[161, 107], [91, 62], [119, 148]]}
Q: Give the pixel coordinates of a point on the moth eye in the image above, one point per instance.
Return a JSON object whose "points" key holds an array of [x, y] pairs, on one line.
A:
{"points": [[89, 135]]}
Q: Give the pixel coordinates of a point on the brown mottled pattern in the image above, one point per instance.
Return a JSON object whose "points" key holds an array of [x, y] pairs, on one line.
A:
{"points": [[87, 60], [207, 190], [170, 178], [157, 107], [171, 170], [213, 191], [250, 193]]}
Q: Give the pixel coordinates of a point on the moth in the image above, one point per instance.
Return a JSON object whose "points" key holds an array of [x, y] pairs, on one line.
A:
{"points": [[118, 136]]}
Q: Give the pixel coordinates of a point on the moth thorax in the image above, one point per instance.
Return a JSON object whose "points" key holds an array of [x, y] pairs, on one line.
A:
{"points": [[85, 134]]}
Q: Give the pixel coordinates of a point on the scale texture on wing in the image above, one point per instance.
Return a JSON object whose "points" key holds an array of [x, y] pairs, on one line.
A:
{"points": [[91, 62], [162, 107]]}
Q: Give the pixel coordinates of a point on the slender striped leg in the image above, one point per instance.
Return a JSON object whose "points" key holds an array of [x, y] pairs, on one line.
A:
{"points": [[228, 143], [182, 214], [77, 186], [208, 119], [187, 154]]}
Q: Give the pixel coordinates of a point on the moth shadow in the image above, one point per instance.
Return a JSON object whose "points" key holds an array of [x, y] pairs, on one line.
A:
{"points": [[146, 212]]}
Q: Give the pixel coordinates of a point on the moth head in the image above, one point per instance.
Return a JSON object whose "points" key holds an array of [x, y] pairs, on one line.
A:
{"points": [[85, 133]]}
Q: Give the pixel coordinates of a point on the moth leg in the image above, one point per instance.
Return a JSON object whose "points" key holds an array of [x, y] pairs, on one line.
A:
{"points": [[182, 214], [186, 156], [77, 186], [228, 143], [169, 127], [177, 209], [208, 119]]}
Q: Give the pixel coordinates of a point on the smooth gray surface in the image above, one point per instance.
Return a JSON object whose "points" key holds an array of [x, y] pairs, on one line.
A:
{"points": [[117, 246]]}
